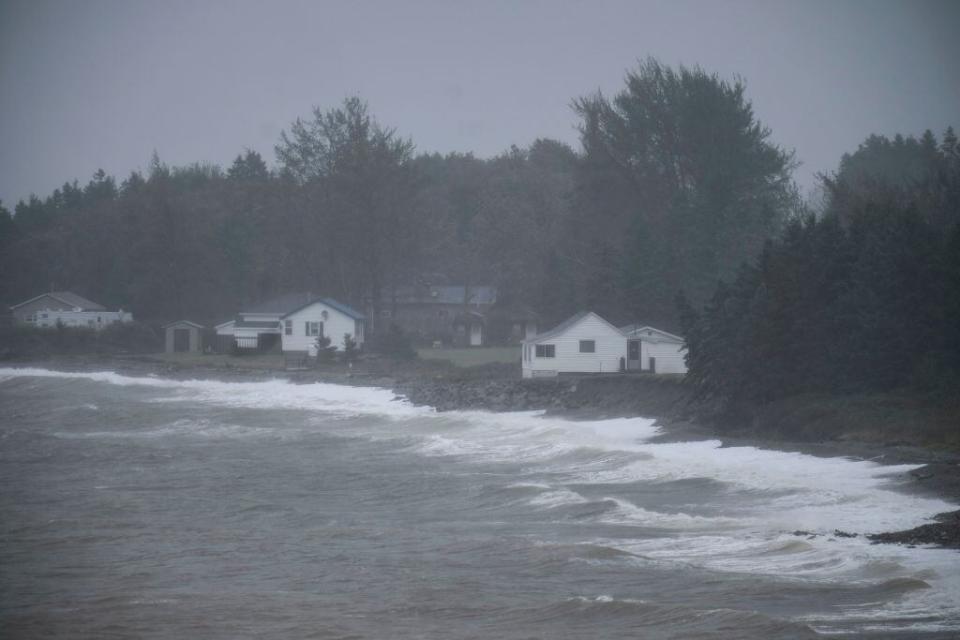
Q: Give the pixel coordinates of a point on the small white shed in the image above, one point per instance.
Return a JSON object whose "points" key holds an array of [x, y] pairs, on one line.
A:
{"points": [[324, 317], [183, 336], [584, 343], [654, 350]]}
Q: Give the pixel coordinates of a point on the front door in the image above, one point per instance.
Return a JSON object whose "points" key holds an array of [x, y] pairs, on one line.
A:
{"points": [[181, 340], [476, 335], [633, 354]]}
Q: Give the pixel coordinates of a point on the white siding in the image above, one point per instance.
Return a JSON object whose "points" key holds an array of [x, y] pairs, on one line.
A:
{"points": [[88, 319], [335, 326], [611, 346], [669, 357]]}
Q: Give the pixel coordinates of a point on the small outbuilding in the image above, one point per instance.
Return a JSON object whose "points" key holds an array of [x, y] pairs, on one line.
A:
{"points": [[654, 350], [183, 336]]}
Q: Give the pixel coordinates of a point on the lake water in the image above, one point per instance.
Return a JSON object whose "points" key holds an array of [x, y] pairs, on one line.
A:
{"points": [[152, 508]]}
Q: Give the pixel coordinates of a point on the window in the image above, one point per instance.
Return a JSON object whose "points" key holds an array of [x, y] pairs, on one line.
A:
{"points": [[588, 346], [546, 351], [288, 327], [314, 328]]}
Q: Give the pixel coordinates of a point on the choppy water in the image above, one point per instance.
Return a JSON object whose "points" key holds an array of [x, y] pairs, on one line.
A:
{"points": [[143, 507]]}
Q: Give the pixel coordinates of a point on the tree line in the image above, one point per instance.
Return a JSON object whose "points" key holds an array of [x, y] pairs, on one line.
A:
{"points": [[863, 297], [675, 183]]}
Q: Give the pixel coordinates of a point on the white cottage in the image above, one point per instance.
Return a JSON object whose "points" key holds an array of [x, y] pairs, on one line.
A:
{"points": [[65, 308], [654, 350], [585, 343], [323, 317]]}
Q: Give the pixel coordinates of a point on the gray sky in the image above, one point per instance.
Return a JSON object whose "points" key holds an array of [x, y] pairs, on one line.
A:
{"points": [[96, 84]]}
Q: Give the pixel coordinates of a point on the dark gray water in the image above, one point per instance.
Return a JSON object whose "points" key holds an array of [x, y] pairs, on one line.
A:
{"points": [[164, 509]]}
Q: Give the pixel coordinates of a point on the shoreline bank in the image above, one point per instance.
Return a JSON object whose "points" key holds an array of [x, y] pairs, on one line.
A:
{"points": [[494, 389]]}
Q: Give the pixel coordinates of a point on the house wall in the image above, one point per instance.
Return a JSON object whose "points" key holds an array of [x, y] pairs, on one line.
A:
{"points": [[611, 345], [422, 321], [25, 313], [89, 319], [334, 327], [195, 339], [670, 357]]}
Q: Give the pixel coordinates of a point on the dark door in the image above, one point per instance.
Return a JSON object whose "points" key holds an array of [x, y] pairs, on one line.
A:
{"points": [[181, 340]]}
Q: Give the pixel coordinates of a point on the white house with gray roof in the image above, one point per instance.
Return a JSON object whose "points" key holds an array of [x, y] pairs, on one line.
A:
{"points": [[585, 343], [320, 318], [294, 322], [65, 308]]}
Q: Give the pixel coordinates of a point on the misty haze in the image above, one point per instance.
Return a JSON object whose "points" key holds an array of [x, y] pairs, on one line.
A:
{"points": [[480, 320]]}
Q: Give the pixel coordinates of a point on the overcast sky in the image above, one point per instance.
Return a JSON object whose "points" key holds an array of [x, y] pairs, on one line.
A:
{"points": [[93, 84]]}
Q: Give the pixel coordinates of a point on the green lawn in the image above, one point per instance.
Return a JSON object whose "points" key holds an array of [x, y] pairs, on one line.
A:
{"points": [[252, 361], [472, 356], [459, 357]]}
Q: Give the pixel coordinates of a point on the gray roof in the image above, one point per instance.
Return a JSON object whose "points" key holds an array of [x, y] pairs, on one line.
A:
{"points": [[68, 298], [446, 294], [256, 324], [333, 304], [282, 304], [342, 308], [650, 334], [186, 322]]}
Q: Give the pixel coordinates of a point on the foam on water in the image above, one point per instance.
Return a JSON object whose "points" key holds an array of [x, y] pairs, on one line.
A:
{"points": [[206, 429], [745, 527]]}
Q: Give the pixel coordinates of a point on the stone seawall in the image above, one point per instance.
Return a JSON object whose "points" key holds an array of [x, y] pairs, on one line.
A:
{"points": [[606, 395]]}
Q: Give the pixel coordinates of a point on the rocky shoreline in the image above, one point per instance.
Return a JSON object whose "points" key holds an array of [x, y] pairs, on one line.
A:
{"points": [[499, 388]]}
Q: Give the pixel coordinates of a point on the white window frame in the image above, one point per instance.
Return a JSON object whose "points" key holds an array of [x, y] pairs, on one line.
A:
{"points": [[549, 351]]}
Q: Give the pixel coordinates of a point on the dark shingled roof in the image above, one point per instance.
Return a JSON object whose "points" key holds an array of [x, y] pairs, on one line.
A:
{"points": [[333, 304], [68, 298], [445, 294], [650, 334], [196, 325], [256, 324]]}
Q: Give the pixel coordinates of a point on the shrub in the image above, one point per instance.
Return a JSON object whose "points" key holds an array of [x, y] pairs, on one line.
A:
{"points": [[350, 350], [325, 352], [395, 344]]}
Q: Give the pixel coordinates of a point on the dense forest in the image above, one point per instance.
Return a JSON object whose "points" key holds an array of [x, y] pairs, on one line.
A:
{"points": [[864, 297], [677, 210], [675, 184]]}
